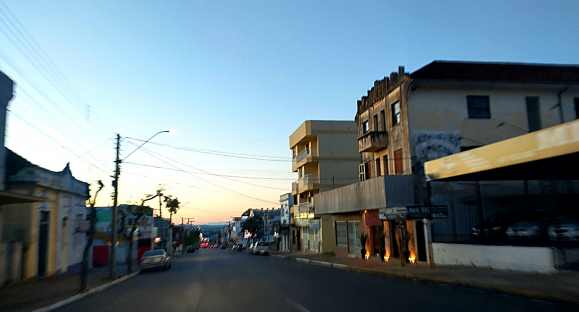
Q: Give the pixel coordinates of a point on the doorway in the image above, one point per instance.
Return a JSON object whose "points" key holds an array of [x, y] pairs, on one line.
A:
{"points": [[395, 249], [43, 242], [420, 241], [299, 239], [376, 230]]}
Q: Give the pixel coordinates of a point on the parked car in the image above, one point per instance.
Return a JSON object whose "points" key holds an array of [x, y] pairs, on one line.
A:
{"points": [[493, 228], [529, 230], [155, 259], [190, 249], [564, 230], [260, 248]]}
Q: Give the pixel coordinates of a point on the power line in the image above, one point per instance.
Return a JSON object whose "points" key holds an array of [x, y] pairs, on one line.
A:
{"points": [[219, 153], [32, 51], [15, 115], [219, 186]]}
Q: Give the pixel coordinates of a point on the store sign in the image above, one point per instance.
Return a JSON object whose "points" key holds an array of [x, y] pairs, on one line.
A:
{"points": [[372, 218], [391, 214], [303, 222], [145, 226], [414, 213], [315, 224]]}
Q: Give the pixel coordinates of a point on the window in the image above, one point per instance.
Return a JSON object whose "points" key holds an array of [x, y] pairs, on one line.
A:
{"points": [[375, 125], [341, 239], [295, 152], [395, 113], [576, 108], [367, 168], [478, 106], [365, 127], [385, 164], [378, 173], [398, 164], [533, 113], [354, 235], [383, 118]]}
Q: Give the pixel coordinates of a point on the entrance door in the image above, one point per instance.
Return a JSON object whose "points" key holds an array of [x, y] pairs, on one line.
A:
{"points": [[395, 251], [376, 230], [420, 241], [353, 236], [299, 239], [43, 242]]}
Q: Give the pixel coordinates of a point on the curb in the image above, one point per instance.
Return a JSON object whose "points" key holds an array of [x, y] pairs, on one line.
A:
{"points": [[91, 291], [510, 290]]}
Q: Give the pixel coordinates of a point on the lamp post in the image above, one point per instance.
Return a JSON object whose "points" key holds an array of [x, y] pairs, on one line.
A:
{"points": [[115, 210]]}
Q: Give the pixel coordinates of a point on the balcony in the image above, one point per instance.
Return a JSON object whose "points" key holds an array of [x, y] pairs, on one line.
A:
{"points": [[304, 157], [295, 188], [373, 141], [305, 208], [308, 181]]}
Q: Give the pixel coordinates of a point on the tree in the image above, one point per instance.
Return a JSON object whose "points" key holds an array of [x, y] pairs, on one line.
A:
{"points": [[90, 233], [192, 238], [254, 225], [172, 204]]}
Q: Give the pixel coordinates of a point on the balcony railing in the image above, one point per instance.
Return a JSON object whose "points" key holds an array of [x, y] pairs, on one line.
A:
{"points": [[305, 208], [295, 186], [309, 179], [373, 141], [303, 155]]}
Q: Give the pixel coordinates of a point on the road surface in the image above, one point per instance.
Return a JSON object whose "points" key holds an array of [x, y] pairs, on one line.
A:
{"points": [[223, 280]]}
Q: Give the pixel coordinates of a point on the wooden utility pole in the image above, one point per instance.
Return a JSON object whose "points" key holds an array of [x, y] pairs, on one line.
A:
{"points": [[114, 212]]}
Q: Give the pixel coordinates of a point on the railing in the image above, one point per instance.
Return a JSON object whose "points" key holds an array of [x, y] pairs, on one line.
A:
{"points": [[295, 186], [301, 156], [309, 179], [305, 207]]}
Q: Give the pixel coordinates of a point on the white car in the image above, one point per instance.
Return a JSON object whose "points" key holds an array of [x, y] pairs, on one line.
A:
{"points": [[155, 259], [259, 248]]}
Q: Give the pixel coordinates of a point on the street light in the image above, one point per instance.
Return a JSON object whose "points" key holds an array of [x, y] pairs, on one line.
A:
{"points": [[115, 210]]}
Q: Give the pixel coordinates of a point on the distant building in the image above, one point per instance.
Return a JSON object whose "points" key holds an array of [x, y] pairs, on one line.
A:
{"points": [[325, 156], [286, 201]]}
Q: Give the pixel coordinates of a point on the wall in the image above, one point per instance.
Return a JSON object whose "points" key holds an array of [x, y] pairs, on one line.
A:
{"points": [[444, 107], [6, 93], [342, 251], [376, 193], [529, 259], [327, 234]]}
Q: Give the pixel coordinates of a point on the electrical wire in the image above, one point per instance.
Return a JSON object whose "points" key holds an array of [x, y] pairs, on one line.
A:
{"points": [[219, 186]]}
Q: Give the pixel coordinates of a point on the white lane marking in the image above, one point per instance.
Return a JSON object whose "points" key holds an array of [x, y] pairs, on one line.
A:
{"points": [[297, 305]]}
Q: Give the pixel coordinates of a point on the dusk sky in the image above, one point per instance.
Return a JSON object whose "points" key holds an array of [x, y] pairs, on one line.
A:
{"points": [[233, 78]]}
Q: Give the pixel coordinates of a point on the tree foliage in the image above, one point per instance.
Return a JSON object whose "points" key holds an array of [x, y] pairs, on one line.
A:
{"points": [[254, 225]]}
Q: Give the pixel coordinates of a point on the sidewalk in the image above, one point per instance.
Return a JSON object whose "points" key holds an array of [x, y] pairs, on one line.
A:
{"points": [[31, 295], [563, 285]]}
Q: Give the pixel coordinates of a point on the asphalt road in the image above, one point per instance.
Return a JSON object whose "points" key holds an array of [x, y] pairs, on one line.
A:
{"points": [[223, 280]]}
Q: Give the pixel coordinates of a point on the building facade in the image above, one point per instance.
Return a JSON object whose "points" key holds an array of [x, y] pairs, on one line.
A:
{"points": [[286, 201], [325, 157], [441, 109]]}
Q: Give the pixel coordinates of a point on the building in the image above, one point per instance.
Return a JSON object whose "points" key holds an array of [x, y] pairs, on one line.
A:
{"points": [[286, 201], [441, 109], [325, 156], [52, 232]]}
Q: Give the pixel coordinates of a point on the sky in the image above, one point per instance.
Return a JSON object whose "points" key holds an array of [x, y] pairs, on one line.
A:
{"points": [[233, 78]]}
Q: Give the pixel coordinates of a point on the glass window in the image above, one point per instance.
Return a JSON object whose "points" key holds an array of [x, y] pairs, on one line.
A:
{"points": [[354, 234], [156, 252], [341, 239], [478, 106], [396, 113], [383, 120], [365, 127]]}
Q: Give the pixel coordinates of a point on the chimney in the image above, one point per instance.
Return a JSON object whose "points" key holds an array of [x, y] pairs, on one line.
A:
{"points": [[400, 71]]}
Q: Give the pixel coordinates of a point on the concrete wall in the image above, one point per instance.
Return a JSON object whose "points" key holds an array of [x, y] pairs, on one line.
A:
{"points": [[327, 234], [376, 193], [444, 107], [529, 259]]}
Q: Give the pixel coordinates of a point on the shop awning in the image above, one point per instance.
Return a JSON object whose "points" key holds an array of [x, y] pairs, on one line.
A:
{"points": [[547, 153], [7, 198]]}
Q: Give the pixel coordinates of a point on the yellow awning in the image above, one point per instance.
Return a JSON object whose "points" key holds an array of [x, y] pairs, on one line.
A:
{"points": [[551, 142]]}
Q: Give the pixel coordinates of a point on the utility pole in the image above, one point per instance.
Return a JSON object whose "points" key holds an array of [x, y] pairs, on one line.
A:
{"points": [[114, 212]]}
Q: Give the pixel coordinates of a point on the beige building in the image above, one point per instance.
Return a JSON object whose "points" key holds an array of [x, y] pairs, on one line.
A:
{"points": [[441, 109], [325, 157]]}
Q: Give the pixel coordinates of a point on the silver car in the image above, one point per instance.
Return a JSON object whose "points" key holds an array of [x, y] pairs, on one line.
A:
{"points": [[564, 229], [259, 248], [155, 259]]}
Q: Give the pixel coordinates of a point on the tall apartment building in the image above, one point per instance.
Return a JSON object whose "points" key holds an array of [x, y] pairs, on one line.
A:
{"points": [[325, 156], [441, 109]]}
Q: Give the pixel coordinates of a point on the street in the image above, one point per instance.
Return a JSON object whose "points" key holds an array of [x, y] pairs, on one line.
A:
{"points": [[222, 280]]}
